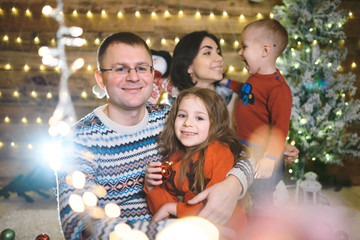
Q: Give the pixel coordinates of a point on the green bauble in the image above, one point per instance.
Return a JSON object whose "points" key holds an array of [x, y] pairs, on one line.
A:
{"points": [[7, 234]]}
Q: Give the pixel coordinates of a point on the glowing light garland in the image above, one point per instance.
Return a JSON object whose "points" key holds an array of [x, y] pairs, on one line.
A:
{"points": [[64, 114]]}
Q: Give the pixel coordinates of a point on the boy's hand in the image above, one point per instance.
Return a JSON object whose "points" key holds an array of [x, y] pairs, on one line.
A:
{"points": [[153, 175], [165, 211], [264, 167], [291, 153]]}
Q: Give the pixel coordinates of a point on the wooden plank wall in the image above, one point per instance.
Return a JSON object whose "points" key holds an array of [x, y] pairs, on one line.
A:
{"points": [[16, 136]]}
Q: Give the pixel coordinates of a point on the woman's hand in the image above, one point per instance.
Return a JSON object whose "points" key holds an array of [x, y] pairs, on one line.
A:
{"points": [[153, 175]]}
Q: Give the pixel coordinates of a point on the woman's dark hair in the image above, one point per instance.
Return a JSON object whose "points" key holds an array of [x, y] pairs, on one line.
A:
{"points": [[219, 130], [183, 56]]}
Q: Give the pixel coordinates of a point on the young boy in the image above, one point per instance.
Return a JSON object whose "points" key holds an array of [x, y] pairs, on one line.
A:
{"points": [[264, 105]]}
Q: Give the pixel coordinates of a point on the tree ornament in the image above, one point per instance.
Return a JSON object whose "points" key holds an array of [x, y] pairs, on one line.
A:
{"points": [[42, 236], [166, 170], [341, 235], [7, 234]]}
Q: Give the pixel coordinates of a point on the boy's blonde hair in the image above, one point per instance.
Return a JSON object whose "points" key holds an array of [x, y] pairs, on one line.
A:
{"points": [[272, 30]]}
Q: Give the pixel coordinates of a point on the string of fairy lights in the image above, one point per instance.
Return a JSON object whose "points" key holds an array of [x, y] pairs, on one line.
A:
{"points": [[36, 40]]}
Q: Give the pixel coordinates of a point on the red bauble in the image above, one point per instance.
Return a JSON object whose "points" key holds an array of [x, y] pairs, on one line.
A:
{"points": [[42, 236], [166, 170]]}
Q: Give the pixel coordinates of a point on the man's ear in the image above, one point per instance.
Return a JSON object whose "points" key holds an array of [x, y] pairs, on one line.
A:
{"points": [[267, 48], [99, 79]]}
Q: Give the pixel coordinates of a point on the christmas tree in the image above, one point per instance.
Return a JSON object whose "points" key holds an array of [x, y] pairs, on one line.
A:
{"points": [[323, 104]]}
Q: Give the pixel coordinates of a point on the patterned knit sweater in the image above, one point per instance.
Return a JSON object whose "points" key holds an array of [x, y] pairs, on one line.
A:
{"points": [[115, 157]]}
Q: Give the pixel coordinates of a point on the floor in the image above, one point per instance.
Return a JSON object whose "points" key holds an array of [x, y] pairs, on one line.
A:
{"points": [[31, 219]]}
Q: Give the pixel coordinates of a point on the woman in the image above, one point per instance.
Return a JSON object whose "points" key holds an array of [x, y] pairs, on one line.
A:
{"points": [[197, 61]]}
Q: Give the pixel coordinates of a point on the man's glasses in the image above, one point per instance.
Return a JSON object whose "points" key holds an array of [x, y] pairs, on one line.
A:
{"points": [[123, 70]]}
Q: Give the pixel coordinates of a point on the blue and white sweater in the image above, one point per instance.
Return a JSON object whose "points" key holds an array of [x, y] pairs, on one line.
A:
{"points": [[115, 157]]}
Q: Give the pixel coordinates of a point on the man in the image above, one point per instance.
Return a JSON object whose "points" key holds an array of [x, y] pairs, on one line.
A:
{"points": [[113, 145]]}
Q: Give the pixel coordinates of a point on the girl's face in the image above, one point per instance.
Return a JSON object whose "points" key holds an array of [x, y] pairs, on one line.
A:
{"points": [[192, 121], [207, 66]]}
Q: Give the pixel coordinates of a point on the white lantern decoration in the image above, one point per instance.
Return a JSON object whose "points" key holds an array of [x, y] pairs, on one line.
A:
{"points": [[311, 188]]}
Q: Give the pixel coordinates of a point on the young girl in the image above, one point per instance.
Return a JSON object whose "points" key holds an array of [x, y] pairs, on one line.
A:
{"points": [[200, 148]]}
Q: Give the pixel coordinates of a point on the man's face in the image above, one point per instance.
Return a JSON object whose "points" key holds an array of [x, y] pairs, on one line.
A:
{"points": [[127, 91]]}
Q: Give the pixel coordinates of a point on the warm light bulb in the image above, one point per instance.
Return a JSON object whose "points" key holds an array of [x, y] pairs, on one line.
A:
{"points": [[6, 38], [350, 14], [42, 67], [89, 67], [153, 14], [222, 41], [89, 14], [236, 43], [33, 94], [36, 40], [28, 12], [24, 120], [16, 94], [84, 94], [49, 95], [198, 14], [231, 68], [353, 65], [167, 13], [30, 146], [103, 13], [38, 120], [177, 40], [181, 12], [245, 70], [163, 41], [14, 10], [75, 12], [8, 66], [137, 13], [1, 144], [12, 144], [18, 40], [259, 15], [97, 41], [119, 14], [148, 41], [225, 13], [212, 15], [242, 17], [271, 15], [6, 119]]}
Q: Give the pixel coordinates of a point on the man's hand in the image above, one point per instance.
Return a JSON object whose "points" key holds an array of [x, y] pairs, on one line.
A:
{"points": [[165, 211], [264, 167], [221, 199], [153, 175], [291, 153]]}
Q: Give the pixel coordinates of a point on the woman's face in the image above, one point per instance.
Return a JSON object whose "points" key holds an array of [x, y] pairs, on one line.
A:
{"points": [[207, 66]]}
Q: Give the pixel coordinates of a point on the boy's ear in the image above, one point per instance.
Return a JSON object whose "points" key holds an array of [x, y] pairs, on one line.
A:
{"points": [[267, 48]]}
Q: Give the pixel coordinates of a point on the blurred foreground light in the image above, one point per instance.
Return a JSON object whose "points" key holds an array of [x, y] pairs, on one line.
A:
{"points": [[76, 203], [189, 228], [112, 210], [90, 199], [47, 10], [78, 179], [52, 154]]}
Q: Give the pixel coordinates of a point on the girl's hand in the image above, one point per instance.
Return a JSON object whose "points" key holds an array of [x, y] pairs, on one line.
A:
{"points": [[153, 175]]}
